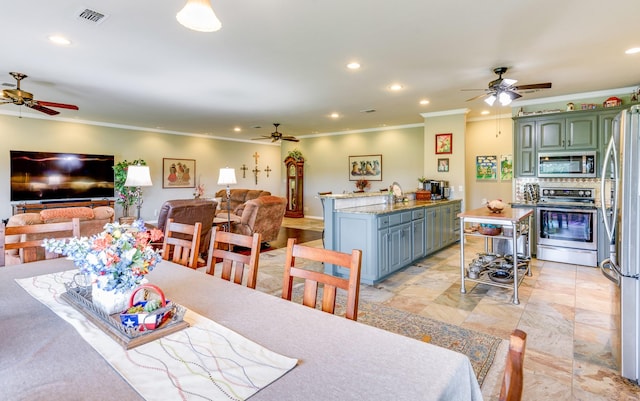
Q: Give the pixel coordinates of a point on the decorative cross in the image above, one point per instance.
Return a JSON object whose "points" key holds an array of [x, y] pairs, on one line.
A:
{"points": [[256, 156], [255, 172], [268, 170], [244, 170]]}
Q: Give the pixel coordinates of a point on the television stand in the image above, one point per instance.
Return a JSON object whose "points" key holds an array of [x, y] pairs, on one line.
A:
{"points": [[37, 207]]}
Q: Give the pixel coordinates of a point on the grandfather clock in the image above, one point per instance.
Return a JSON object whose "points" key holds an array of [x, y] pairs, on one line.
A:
{"points": [[295, 186]]}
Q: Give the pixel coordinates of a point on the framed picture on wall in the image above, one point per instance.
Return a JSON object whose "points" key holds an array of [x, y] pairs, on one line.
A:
{"points": [[506, 167], [444, 144], [486, 167], [368, 167], [178, 173], [443, 165]]}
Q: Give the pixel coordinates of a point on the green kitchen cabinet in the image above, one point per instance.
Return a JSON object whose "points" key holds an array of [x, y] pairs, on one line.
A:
{"points": [[579, 132], [525, 154]]}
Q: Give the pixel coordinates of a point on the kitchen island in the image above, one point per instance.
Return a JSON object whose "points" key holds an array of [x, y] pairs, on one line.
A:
{"points": [[391, 235]]}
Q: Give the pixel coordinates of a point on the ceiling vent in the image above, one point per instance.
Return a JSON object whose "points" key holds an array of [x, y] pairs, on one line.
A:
{"points": [[91, 16]]}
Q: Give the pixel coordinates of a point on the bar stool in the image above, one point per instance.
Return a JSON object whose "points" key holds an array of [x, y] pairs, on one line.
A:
{"points": [[322, 202]]}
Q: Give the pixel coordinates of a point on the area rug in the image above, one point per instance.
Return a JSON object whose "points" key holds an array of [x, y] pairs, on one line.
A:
{"points": [[480, 348]]}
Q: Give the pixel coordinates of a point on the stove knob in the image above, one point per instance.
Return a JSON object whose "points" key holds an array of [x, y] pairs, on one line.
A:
{"points": [[580, 193], [551, 191], [587, 194]]}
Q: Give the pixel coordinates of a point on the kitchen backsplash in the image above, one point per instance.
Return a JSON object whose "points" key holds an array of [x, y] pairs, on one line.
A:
{"points": [[591, 183]]}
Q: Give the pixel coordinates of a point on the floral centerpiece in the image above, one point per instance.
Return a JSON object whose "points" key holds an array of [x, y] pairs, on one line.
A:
{"points": [[116, 259], [362, 184]]}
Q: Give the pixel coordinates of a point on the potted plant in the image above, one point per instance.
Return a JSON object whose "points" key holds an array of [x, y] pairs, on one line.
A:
{"points": [[125, 196], [295, 154], [423, 181]]}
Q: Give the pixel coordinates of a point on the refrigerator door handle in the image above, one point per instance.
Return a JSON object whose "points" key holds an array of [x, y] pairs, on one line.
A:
{"points": [[609, 225], [610, 271]]}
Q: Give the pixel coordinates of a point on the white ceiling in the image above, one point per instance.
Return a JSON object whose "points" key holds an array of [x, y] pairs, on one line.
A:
{"points": [[284, 60]]}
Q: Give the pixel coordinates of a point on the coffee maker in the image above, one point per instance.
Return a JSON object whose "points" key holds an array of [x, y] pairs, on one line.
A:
{"points": [[440, 189]]}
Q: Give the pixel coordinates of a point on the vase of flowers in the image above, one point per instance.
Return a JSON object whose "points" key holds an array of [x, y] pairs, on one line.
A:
{"points": [[362, 184], [116, 259]]}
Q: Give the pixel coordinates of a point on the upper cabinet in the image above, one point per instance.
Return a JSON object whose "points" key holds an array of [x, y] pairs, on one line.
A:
{"points": [[570, 133], [525, 149]]}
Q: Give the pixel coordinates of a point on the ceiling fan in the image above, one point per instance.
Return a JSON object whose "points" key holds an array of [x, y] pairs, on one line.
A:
{"points": [[504, 89], [19, 97], [276, 136]]}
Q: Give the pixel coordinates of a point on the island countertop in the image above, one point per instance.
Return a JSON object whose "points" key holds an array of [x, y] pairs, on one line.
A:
{"points": [[509, 214], [382, 208]]}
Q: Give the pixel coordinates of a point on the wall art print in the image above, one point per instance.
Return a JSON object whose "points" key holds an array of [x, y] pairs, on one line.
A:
{"points": [[368, 167], [444, 144], [506, 167], [486, 167], [178, 173], [443, 165]]}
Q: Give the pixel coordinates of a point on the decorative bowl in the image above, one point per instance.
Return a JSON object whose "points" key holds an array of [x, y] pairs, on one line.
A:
{"points": [[496, 206], [489, 229]]}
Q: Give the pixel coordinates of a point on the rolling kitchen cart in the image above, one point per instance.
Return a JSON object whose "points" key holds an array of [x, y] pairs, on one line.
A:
{"points": [[490, 268]]}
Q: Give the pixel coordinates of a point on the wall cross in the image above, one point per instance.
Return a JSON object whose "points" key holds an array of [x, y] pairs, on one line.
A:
{"points": [[244, 170], [268, 170], [255, 172], [256, 156]]}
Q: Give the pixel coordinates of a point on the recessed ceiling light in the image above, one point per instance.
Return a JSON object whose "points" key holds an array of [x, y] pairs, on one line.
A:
{"points": [[59, 40], [485, 112], [334, 115], [237, 129], [354, 65], [633, 50], [424, 101], [395, 87]]}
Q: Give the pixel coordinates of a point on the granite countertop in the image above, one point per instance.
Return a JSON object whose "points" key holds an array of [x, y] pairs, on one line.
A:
{"points": [[382, 208]]}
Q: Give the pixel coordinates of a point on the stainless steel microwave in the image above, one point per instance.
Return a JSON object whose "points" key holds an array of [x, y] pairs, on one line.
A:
{"points": [[567, 164]]}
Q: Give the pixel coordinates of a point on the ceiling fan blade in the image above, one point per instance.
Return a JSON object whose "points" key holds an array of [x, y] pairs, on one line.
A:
{"points": [[477, 97], [545, 85], [290, 138], [261, 138], [59, 105], [43, 109]]}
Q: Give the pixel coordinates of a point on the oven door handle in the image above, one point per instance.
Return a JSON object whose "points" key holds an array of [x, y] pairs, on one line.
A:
{"points": [[610, 271]]}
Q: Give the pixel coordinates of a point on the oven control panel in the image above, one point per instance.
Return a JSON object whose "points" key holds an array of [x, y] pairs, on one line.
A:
{"points": [[568, 192]]}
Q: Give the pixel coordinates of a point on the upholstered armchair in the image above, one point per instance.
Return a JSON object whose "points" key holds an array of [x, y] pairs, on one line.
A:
{"points": [[237, 199], [190, 211], [262, 215]]}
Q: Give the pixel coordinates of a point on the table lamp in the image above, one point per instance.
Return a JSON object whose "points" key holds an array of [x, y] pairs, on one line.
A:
{"points": [[227, 177], [138, 176]]}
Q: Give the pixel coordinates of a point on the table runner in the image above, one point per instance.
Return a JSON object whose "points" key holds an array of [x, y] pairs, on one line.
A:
{"points": [[204, 361]]}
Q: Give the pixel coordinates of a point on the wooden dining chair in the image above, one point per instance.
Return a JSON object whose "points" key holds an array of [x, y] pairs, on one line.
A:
{"points": [[351, 261], [513, 372], [181, 243], [239, 254], [31, 236]]}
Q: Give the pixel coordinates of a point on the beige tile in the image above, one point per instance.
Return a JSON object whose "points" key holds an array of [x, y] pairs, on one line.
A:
{"points": [[444, 313], [593, 382]]}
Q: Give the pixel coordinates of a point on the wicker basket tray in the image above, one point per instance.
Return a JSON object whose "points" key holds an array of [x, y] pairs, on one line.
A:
{"points": [[489, 229], [129, 337]]}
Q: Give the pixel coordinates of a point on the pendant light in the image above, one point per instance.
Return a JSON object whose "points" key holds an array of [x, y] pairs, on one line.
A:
{"points": [[199, 16]]}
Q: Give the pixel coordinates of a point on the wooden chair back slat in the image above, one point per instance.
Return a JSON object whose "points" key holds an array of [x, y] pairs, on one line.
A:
{"points": [[512, 382], [226, 246], [179, 249], [351, 261], [28, 247]]}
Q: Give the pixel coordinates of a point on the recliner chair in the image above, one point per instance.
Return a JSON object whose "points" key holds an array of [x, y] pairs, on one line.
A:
{"points": [[190, 211], [262, 215]]}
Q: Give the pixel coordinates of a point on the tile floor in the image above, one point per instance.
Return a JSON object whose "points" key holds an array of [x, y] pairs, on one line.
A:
{"points": [[566, 310]]}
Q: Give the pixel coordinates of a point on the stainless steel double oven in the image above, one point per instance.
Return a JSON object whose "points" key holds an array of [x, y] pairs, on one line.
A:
{"points": [[567, 224]]}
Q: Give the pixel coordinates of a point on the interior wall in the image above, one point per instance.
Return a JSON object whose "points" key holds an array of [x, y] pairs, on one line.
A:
{"points": [[327, 166], [453, 122], [492, 136], [210, 155]]}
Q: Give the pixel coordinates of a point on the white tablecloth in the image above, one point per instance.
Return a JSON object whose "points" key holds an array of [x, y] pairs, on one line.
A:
{"points": [[43, 357]]}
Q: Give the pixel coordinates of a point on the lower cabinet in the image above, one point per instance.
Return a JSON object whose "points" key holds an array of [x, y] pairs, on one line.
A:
{"points": [[391, 241]]}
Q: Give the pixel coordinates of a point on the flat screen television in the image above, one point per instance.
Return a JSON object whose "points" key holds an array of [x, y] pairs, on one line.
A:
{"points": [[47, 176]]}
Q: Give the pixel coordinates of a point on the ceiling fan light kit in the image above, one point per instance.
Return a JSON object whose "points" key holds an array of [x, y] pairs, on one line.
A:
{"points": [[504, 90], [198, 15]]}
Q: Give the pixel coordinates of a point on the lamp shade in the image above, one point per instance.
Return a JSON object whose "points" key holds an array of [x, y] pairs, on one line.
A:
{"points": [[199, 16], [490, 100], [138, 176], [227, 176], [505, 98]]}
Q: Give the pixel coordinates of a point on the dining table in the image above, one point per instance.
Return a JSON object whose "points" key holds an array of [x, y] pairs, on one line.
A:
{"points": [[42, 356]]}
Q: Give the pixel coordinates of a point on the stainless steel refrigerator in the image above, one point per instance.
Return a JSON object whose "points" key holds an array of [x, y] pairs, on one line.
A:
{"points": [[620, 199]]}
